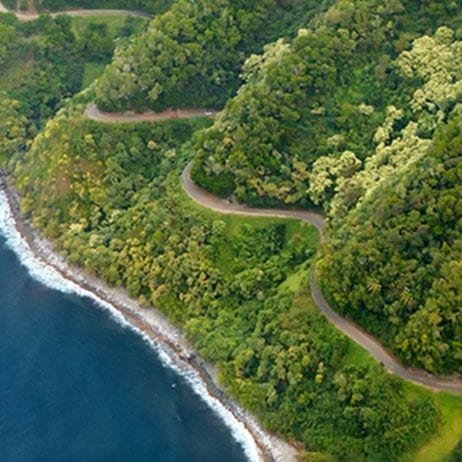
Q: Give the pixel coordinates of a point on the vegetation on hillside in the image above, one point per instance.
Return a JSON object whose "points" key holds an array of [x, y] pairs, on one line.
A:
{"points": [[192, 55], [13, 127], [39, 64], [395, 263], [456, 454], [45, 61], [322, 94], [331, 118], [397, 222], [357, 112], [109, 196]]}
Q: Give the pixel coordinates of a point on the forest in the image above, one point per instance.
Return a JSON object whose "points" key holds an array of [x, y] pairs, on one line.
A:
{"points": [[113, 205], [394, 264], [38, 69], [330, 119], [323, 94], [349, 106], [44, 62], [192, 56]]}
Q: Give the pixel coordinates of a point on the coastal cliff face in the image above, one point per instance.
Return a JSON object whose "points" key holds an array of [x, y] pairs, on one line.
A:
{"points": [[358, 113]]}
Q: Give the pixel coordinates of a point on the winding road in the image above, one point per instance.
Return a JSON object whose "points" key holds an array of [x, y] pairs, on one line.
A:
{"points": [[451, 384], [347, 327], [81, 13], [92, 112]]}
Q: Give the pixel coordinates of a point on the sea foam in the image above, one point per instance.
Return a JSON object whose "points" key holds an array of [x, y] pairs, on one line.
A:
{"points": [[52, 278]]}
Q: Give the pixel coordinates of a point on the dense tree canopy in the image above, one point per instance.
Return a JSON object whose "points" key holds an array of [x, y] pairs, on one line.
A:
{"points": [[192, 55], [357, 111], [43, 62], [290, 136], [40, 65], [395, 262], [321, 94], [404, 265], [12, 129]]}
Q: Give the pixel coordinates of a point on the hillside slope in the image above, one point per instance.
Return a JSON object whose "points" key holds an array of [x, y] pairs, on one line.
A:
{"points": [[192, 55], [358, 113], [394, 264], [109, 196], [323, 94], [314, 124]]}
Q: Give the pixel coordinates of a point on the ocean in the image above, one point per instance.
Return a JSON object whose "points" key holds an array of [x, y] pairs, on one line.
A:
{"points": [[76, 385]]}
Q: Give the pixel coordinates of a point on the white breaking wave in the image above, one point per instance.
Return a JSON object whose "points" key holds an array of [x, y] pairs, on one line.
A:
{"points": [[51, 277]]}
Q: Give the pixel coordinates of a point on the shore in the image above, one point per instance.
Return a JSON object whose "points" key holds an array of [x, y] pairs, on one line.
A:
{"points": [[165, 337]]}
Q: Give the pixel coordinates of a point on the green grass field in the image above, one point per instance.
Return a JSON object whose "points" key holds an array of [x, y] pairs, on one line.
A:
{"points": [[114, 24], [91, 72], [439, 447]]}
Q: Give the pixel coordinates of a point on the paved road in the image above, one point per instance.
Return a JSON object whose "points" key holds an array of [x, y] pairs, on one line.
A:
{"points": [[93, 113], [212, 202], [363, 339], [451, 384], [32, 16]]}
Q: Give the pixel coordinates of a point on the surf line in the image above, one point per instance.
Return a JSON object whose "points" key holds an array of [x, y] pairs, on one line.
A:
{"points": [[48, 268]]}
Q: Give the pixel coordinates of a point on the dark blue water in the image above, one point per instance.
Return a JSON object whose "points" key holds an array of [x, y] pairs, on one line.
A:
{"points": [[76, 386]]}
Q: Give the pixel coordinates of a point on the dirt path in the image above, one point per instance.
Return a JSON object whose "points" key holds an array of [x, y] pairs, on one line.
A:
{"points": [[93, 113], [353, 331], [32, 16]]}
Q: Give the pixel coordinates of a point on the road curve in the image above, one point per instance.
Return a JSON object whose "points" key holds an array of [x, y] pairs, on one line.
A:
{"points": [[80, 13], [347, 327], [452, 384], [92, 112], [208, 200]]}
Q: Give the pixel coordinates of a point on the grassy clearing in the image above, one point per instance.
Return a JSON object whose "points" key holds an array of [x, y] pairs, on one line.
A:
{"points": [[114, 24], [91, 72], [357, 355], [439, 447], [298, 282]]}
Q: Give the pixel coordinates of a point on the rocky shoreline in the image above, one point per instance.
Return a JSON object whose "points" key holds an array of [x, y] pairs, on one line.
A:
{"points": [[153, 324]]}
